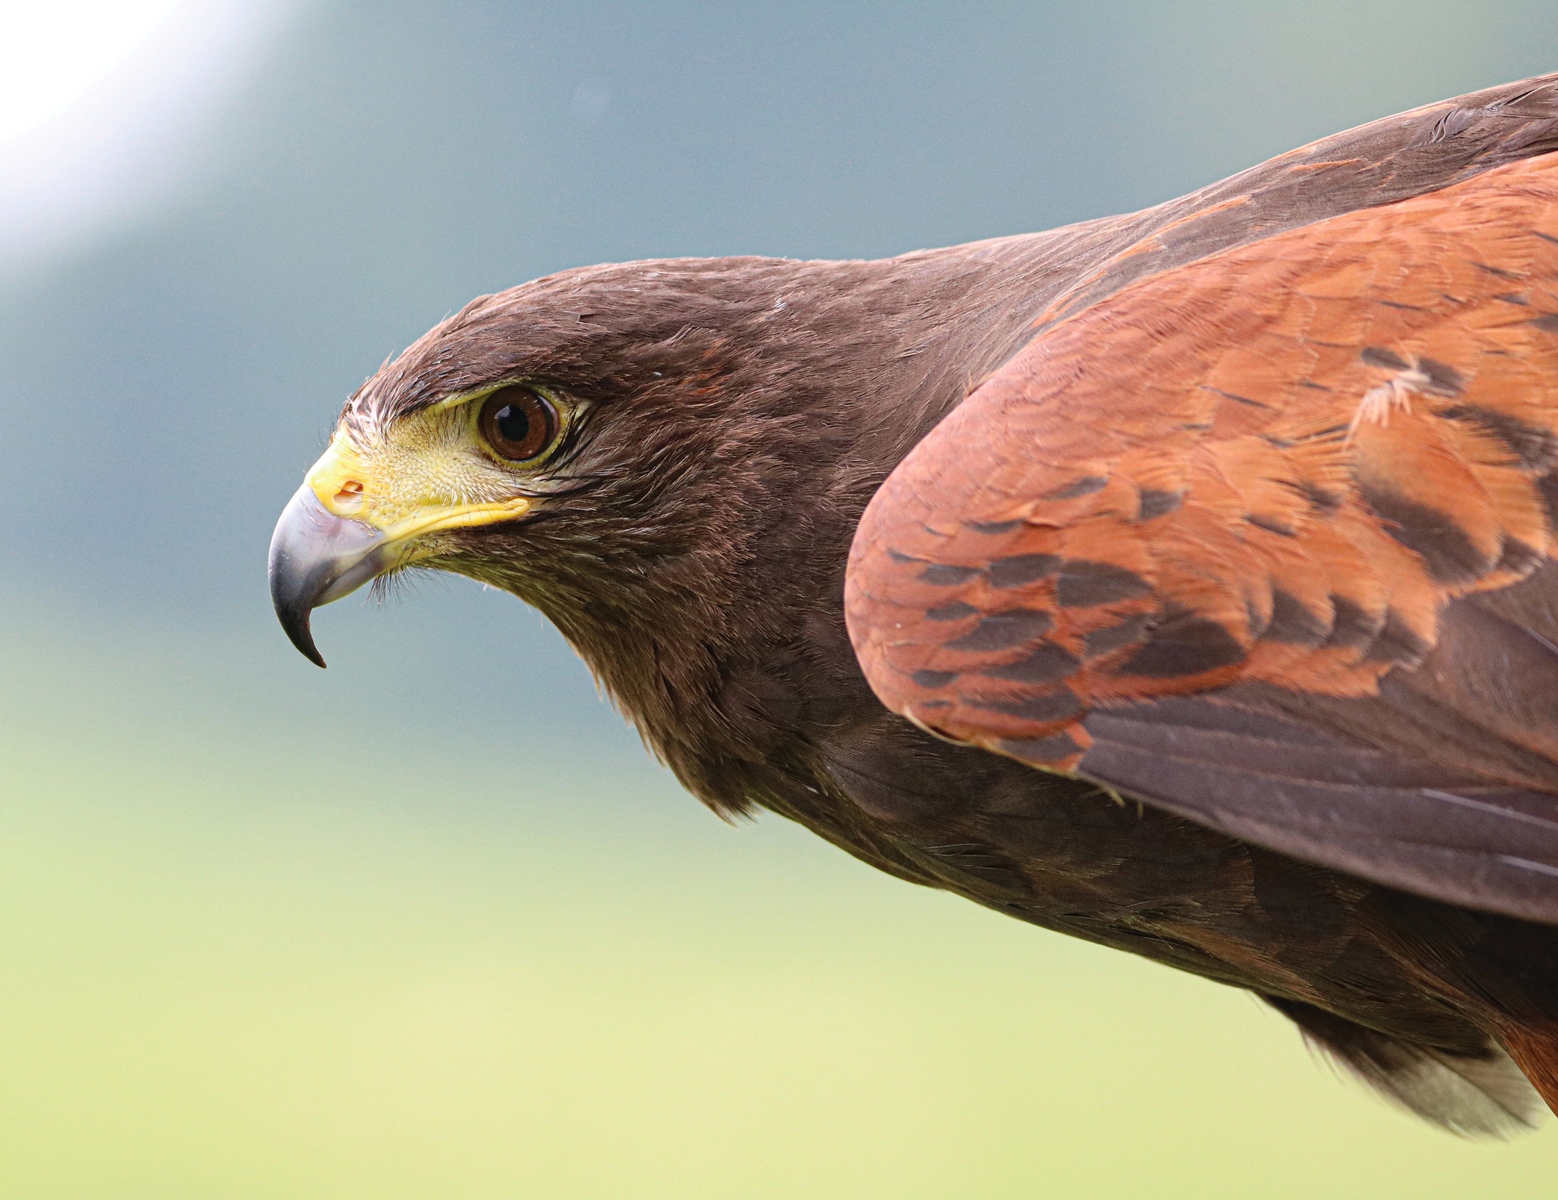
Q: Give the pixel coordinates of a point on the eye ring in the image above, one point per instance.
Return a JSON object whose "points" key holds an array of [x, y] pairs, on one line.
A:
{"points": [[519, 423]]}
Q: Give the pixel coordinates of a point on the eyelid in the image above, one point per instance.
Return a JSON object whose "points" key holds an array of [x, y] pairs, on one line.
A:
{"points": [[460, 399]]}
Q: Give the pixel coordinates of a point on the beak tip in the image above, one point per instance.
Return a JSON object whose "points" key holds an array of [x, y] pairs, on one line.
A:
{"points": [[315, 558], [295, 623], [310, 652]]}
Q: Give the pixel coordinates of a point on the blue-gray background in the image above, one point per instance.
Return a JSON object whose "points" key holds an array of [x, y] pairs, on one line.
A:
{"points": [[430, 924]]}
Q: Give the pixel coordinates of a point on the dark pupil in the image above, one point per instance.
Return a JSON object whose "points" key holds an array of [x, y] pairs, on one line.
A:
{"points": [[513, 424]]}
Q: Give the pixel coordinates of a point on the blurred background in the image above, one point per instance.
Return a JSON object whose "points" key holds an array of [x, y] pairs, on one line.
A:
{"points": [[430, 924]]}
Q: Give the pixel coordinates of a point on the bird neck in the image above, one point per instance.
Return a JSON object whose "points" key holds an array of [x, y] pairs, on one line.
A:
{"points": [[717, 626]]}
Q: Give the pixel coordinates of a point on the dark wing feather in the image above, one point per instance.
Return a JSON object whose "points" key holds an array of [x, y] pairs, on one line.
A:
{"points": [[1241, 539], [1358, 782]]}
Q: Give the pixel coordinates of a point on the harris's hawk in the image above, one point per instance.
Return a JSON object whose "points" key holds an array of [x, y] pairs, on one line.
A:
{"points": [[1183, 581]]}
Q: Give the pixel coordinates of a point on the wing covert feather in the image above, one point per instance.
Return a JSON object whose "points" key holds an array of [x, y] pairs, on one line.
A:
{"points": [[1275, 466]]}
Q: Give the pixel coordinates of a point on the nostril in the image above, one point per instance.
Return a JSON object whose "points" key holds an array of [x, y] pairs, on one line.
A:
{"points": [[350, 495]]}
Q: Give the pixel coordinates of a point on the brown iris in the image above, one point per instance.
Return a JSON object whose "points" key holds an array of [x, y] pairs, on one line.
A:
{"points": [[518, 423]]}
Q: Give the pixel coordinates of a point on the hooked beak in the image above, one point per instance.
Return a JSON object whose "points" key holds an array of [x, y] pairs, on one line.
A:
{"points": [[349, 524], [317, 557]]}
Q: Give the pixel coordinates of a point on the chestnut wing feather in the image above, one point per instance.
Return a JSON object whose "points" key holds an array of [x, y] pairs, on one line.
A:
{"points": [[1229, 540]]}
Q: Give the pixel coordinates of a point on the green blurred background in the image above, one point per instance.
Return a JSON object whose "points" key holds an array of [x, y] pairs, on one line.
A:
{"points": [[430, 925]]}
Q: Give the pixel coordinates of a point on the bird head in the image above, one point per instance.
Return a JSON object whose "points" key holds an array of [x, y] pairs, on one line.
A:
{"points": [[556, 440]]}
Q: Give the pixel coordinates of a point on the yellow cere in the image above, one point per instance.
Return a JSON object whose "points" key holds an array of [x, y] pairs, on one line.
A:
{"points": [[427, 473]]}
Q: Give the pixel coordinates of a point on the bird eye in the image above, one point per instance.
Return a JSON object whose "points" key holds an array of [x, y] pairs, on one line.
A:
{"points": [[519, 424]]}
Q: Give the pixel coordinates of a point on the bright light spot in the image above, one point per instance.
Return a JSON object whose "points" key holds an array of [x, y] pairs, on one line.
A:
{"points": [[100, 101], [52, 54]]}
